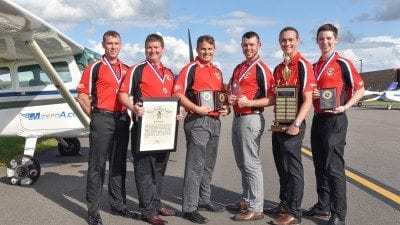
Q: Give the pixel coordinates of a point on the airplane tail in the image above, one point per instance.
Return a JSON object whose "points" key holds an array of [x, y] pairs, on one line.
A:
{"points": [[392, 86], [191, 57]]}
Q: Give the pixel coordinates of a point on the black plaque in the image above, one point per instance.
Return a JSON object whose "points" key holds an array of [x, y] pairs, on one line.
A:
{"points": [[285, 107], [327, 98], [220, 99]]}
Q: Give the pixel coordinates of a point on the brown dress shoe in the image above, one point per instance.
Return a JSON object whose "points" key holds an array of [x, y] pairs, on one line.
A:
{"points": [[156, 220], [239, 206], [249, 215], [286, 219], [277, 210], [166, 212]]}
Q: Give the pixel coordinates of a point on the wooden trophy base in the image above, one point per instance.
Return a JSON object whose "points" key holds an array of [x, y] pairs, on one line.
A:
{"points": [[279, 127]]}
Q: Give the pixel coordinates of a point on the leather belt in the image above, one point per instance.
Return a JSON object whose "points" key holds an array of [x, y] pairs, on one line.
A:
{"points": [[246, 114], [110, 113]]}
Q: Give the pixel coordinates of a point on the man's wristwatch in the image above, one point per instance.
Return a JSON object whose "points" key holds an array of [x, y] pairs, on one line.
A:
{"points": [[297, 123]]}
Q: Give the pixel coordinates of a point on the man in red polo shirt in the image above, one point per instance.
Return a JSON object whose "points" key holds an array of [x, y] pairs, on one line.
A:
{"points": [[148, 79], [202, 127], [109, 129], [329, 127], [296, 71], [251, 87]]}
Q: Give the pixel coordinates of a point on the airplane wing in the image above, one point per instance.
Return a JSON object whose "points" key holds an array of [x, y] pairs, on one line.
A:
{"points": [[18, 24], [24, 36]]}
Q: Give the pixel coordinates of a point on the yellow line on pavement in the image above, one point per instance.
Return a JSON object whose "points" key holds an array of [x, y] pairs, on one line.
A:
{"points": [[382, 191]]}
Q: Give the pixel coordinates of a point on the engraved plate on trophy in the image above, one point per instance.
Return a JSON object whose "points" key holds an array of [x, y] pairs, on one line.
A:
{"points": [[285, 107], [206, 98], [220, 99], [327, 98], [236, 90]]}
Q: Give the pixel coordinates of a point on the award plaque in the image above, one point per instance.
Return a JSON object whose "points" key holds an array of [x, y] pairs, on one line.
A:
{"points": [[220, 99], [206, 98], [285, 107], [157, 129], [327, 98]]}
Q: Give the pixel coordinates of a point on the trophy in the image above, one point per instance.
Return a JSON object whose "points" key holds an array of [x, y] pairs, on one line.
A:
{"points": [[327, 98], [235, 89], [286, 100]]}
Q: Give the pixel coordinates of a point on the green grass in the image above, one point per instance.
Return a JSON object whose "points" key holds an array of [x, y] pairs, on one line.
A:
{"points": [[13, 146]]}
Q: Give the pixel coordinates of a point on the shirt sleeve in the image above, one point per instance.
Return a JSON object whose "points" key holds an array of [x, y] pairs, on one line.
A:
{"points": [[180, 82], [126, 82], [84, 83]]}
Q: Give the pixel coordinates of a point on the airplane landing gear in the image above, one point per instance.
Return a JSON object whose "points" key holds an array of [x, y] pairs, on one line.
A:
{"points": [[23, 170], [359, 104], [69, 146]]}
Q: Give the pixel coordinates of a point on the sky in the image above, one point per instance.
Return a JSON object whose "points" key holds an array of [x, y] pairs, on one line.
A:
{"points": [[369, 30]]}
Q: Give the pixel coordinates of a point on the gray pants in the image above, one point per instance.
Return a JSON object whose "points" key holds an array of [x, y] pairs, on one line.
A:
{"points": [[202, 136], [246, 137]]}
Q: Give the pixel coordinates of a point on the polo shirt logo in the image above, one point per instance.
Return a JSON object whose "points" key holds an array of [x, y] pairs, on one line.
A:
{"points": [[246, 75], [330, 71], [218, 75]]}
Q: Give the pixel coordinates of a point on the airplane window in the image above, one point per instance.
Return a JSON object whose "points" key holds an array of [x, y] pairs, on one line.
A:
{"points": [[5, 78], [33, 75]]}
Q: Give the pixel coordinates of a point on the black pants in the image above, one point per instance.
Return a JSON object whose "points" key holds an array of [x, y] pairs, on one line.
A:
{"points": [[287, 156], [149, 169], [328, 138], [108, 138]]}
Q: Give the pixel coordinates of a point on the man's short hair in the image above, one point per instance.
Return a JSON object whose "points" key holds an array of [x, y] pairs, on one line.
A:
{"points": [[111, 33], [289, 29], [328, 27], [155, 38], [207, 38], [251, 34]]}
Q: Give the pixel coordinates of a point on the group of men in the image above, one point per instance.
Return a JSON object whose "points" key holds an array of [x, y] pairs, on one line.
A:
{"points": [[109, 88]]}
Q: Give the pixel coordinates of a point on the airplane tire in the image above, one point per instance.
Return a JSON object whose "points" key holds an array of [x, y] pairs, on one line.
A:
{"points": [[73, 148], [23, 170], [359, 104]]}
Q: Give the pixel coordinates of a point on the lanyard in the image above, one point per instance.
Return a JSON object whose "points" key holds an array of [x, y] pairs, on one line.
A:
{"points": [[161, 78], [248, 69], [116, 75], [318, 75]]}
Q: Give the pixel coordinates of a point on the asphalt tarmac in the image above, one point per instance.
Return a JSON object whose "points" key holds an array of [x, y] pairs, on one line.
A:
{"points": [[372, 153]]}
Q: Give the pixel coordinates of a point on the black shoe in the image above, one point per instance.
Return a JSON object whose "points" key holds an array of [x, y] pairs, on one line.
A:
{"points": [[315, 211], [277, 210], [210, 207], [94, 220], [127, 213], [195, 217], [335, 221]]}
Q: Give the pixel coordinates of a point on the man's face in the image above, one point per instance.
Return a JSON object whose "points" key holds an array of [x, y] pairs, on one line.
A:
{"points": [[326, 41], [112, 47], [250, 47], [289, 42], [154, 51], [205, 52]]}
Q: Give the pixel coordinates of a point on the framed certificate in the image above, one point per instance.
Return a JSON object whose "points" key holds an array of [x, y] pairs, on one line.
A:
{"points": [[157, 129]]}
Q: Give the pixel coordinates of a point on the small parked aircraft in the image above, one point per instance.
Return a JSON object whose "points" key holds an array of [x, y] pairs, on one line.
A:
{"points": [[40, 68], [391, 94]]}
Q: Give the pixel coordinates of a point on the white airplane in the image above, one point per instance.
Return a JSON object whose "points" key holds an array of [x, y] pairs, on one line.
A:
{"points": [[39, 71], [390, 94]]}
